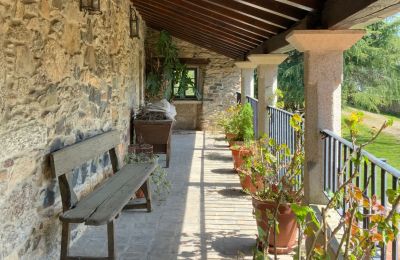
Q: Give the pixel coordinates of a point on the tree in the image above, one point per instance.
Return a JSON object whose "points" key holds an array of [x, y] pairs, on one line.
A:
{"points": [[371, 70], [291, 81], [372, 67]]}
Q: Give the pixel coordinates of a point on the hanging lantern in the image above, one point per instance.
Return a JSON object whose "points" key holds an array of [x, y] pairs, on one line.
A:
{"points": [[90, 6], [134, 23]]}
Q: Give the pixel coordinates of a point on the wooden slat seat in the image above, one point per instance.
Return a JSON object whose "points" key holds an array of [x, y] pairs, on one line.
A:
{"points": [[104, 204]]}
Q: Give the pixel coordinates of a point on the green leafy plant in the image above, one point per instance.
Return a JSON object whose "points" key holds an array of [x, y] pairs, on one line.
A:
{"points": [[357, 242], [244, 123], [226, 119], [166, 71]]}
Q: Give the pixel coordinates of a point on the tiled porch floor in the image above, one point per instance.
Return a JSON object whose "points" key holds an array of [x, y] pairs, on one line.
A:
{"points": [[205, 216]]}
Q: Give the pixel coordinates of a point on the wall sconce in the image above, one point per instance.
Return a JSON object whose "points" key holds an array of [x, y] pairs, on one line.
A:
{"points": [[134, 23], [90, 6]]}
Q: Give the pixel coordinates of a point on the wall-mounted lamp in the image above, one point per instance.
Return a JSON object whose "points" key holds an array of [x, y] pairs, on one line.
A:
{"points": [[90, 6], [134, 23]]}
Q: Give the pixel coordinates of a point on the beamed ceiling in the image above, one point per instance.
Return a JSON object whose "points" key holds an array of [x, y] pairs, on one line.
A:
{"points": [[237, 28]]}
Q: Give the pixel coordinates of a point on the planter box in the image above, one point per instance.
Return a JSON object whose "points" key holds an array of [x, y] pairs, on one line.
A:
{"points": [[155, 132]]}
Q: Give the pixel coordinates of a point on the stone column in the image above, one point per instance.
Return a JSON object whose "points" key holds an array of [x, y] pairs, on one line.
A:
{"points": [[323, 75], [247, 81], [267, 85]]}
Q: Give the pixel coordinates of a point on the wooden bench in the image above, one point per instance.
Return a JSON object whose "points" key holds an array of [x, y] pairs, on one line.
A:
{"points": [[103, 205]]}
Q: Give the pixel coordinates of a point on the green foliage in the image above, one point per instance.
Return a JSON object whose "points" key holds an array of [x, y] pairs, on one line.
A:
{"points": [[371, 71], [165, 70], [244, 123], [291, 81], [238, 120]]}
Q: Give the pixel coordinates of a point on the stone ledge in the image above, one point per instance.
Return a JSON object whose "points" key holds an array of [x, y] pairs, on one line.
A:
{"points": [[186, 101]]}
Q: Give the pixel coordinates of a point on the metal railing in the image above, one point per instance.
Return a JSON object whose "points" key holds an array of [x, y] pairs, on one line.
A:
{"points": [[282, 132], [279, 127], [254, 105], [375, 176]]}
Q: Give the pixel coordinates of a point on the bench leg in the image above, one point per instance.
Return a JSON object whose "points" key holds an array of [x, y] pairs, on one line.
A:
{"points": [[147, 193], [111, 242], [65, 240]]}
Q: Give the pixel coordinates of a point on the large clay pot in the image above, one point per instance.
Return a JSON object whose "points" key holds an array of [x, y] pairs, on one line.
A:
{"points": [[286, 238], [239, 153], [247, 183], [237, 160]]}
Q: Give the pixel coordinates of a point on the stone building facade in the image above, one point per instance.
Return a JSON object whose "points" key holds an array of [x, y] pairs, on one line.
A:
{"points": [[64, 76], [219, 81]]}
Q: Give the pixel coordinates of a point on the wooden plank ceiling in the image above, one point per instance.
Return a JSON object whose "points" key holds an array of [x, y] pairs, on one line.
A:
{"points": [[236, 28]]}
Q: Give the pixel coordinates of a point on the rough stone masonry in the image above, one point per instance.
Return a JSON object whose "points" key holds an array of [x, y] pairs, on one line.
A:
{"points": [[64, 76]]}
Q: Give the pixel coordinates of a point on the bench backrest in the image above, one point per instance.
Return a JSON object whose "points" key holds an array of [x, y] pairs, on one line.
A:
{"points": [[66, 159]]}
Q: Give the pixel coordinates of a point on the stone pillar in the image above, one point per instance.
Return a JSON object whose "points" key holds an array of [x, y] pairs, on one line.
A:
{"points": [[323, 75], [247, 81], [267, 85]]}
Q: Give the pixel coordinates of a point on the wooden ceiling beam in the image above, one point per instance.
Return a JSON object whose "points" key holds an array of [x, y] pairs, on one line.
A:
{"points": [[199, 42], [336, 14], [229, 15], [178, 26], [188, 30], [341, 14], [308, 5], [193, 17], [206, 41], [166, 14], [282, 9], [256, 13], [194, 10]]}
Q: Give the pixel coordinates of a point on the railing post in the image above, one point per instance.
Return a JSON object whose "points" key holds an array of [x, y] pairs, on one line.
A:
{"points": [[267, 85], [323, 75]]}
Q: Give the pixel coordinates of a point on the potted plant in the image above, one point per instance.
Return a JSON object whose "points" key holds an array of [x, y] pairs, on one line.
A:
{"points": [[227, 120], [279, 171], [243, 122]]}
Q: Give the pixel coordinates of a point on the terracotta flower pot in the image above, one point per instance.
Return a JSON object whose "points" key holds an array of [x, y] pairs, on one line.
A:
{"points": [[237, 160], [239, 154], [286, 238], [247, 183]]}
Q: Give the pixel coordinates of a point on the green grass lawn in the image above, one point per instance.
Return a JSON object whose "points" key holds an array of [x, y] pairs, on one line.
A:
{"points": [[386, 146]]}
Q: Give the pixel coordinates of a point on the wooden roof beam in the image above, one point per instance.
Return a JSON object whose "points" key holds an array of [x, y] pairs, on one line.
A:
{"points": [[202, 42], [154, 10], [187, 30], [232, 24], [256, 13], [198, 31], [282, 9], [342, 14], [308, 5], [188, 15], [336, 14], [227, 13]]}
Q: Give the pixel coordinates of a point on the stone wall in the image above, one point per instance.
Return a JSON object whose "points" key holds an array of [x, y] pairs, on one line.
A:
{"points": [[64, 76], [220, 79]]}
